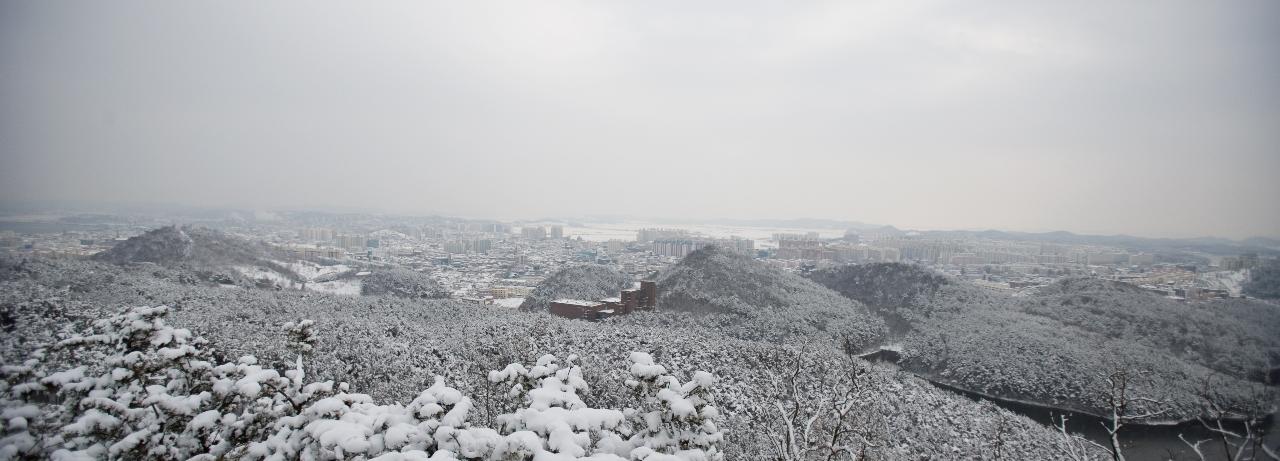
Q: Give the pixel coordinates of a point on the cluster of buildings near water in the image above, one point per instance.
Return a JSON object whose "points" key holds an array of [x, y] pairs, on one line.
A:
{"points": [[678, 243], [642, 297], [494, 262]]}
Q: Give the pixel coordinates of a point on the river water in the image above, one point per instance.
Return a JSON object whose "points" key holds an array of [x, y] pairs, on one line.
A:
{"points": [[1139, 442]]}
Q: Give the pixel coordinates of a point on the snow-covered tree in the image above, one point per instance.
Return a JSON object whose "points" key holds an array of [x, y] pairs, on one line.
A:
{"points": [[681, 421], [134, 387], [301, 336]]}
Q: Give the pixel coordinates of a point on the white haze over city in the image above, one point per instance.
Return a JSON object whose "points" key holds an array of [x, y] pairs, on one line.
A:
{"points": [[1149, 118]]}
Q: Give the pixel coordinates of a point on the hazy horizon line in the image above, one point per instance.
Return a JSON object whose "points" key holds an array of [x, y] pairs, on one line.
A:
{"points": [[152, 207]]}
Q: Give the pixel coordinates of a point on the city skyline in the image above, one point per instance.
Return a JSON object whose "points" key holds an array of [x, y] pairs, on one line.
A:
{"points": [[11, 210]]}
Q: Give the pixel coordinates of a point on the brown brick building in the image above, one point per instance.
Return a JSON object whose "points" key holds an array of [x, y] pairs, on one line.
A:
{"points": [[630, 300], [648, 294], [579, 309]]}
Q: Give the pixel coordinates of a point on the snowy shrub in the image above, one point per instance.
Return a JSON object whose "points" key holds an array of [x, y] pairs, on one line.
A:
{"points": [[301, 337], [682, 419], [142, 389], [403, 283], [134, 387]]}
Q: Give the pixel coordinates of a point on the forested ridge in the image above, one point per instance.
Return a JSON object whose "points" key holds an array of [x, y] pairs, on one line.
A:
{"points": [[1058, 345], [391, 348]]}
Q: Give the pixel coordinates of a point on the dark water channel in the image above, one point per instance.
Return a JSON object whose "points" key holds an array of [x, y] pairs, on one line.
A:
{"points": [[1140, 442]]}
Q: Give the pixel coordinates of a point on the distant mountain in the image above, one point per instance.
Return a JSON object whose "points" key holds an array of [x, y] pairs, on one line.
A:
{"points": [[213, 256], [206, 254], [760, 301], [1263, 242], [1210, 245], [797, 223], [173, 245], [165, 245], [1264, 281], [588, 282]]}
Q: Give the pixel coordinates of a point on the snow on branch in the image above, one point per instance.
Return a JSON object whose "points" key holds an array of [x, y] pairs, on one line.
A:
{"points": [[134, 387]]}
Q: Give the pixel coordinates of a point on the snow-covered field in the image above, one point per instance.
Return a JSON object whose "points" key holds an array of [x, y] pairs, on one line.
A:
{"points": [[337, 287], [508, 302], [259, 273], [1232, 281], [310, 272]]}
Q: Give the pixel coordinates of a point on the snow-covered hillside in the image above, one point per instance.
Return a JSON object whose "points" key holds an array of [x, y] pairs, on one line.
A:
{"points": [[1057, 346], [588, 281], [300, 274], [744, 297], [391, 348]]}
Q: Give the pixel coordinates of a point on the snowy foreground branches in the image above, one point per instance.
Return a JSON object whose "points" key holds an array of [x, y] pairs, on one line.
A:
{"points": [[137, 388]]}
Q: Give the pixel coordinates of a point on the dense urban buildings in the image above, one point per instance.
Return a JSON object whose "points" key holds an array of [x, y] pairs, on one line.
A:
{"points": [[498, 263]]}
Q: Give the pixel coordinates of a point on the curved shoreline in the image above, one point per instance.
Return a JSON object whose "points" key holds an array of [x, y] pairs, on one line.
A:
{"points": [[877, 354], [1044, 406]]}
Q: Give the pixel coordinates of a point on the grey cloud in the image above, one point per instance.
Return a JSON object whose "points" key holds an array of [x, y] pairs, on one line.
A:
{"points": [[1154, 118]]}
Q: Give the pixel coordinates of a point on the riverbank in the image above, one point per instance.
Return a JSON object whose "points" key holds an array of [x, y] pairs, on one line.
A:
{"points": [[1158, 439], [892, 356]]}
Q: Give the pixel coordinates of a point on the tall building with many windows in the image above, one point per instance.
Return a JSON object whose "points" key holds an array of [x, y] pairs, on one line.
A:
{"points": [[533, 232]]}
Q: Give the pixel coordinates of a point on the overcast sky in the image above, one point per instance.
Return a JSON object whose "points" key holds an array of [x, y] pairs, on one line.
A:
{"points": [[1157, 118]]}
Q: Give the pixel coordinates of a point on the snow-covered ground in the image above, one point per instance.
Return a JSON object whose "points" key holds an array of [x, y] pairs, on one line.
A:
{"points": [[337, 287], [259, 273], [508, 302], [309, 271], [1232, 281]]}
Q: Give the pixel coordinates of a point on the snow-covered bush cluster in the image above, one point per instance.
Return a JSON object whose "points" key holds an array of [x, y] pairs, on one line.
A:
{"points": [[588, 281], [752, 300], [134, 387], [404, 283], [302, 336]]}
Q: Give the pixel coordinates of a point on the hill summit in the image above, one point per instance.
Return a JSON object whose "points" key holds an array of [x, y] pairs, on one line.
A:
{"points": [[173, 245], [587, 282], [882, 284], [763, 301], [163, 245]]}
